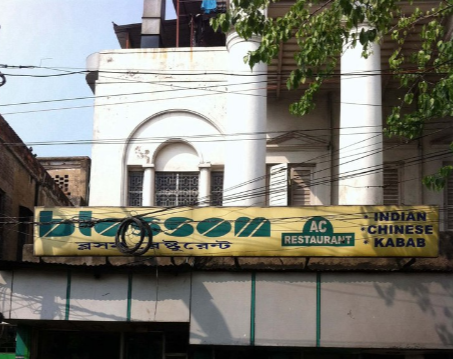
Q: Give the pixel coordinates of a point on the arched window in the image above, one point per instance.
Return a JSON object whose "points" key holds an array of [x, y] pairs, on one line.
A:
{"points": [[176, 189], [175, 179], [174, 158], [177, 175]]}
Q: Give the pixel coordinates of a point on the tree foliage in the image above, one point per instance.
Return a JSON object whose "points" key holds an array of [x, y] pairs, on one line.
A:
{"points": [[321, 28]]}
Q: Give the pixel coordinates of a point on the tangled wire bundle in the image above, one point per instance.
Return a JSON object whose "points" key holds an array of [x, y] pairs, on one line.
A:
{"points": [[146, 236]]}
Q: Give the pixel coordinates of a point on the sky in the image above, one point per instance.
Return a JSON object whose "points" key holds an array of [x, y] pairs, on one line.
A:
{"points": [[58, 35]]}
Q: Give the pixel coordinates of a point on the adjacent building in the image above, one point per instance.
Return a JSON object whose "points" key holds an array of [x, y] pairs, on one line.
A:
{"points": [[72, 176], [24, 184]]}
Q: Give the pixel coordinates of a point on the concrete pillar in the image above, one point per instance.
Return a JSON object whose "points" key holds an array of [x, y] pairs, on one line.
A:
{"points": [[148, 185], [204, 185], [245, 156], [360, 154]]}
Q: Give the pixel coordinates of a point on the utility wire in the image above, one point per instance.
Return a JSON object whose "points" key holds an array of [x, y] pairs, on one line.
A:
{"points": [[160, 83], [174, 88], [160, 72], [406, 69], [230, 137]]}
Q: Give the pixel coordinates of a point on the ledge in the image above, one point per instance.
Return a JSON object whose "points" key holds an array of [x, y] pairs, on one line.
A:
{"points": [[443, 263]]}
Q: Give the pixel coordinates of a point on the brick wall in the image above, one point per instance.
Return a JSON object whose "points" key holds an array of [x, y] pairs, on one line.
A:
{"points": [[24, 183]]}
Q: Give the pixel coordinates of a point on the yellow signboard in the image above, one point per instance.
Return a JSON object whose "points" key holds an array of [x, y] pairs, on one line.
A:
{"points": [[312, 231]]}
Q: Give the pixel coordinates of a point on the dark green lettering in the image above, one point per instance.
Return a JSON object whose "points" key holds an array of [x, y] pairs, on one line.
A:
{"points": [[180, 226], [214, 227], [50, 227]]}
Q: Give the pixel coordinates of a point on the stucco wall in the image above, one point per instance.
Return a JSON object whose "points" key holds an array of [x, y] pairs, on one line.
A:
{"points": [[127, 105], [181, 95], [350, 310]]}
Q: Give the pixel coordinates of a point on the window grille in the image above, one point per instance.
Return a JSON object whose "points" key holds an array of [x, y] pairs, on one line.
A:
{"points": [[300, 189], [135, 188], [391, 185], [63, 182], [176, 189], [216, 188]]}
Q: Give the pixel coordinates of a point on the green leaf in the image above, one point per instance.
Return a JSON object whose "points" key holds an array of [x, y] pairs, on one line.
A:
{"points": [[421, 64], [363, 38]]}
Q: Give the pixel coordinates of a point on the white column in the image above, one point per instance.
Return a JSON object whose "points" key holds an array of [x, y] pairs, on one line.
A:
{"points": [[245, 156], [204, 185], [360, 155], [148, 185]]}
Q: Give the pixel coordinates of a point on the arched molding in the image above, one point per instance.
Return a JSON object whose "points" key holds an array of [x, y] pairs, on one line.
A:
{"points": [[175, 140], [159, 115], [150, 156]]}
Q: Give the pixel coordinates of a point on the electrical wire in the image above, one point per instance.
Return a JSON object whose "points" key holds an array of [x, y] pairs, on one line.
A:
{"points": [[313, 183], [164, 211], [159, 210], [167, 209], [160, 83], [63, 74], [229, 137], [190, 72]]}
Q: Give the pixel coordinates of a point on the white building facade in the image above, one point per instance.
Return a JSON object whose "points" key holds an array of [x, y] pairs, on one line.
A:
{"points": [[203, 112]]}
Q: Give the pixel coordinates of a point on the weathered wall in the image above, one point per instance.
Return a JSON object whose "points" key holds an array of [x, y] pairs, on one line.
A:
{"points": [[133, 104], [181, 95], [72, 174], [23, 183], [350, 310], [175, 94]]}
